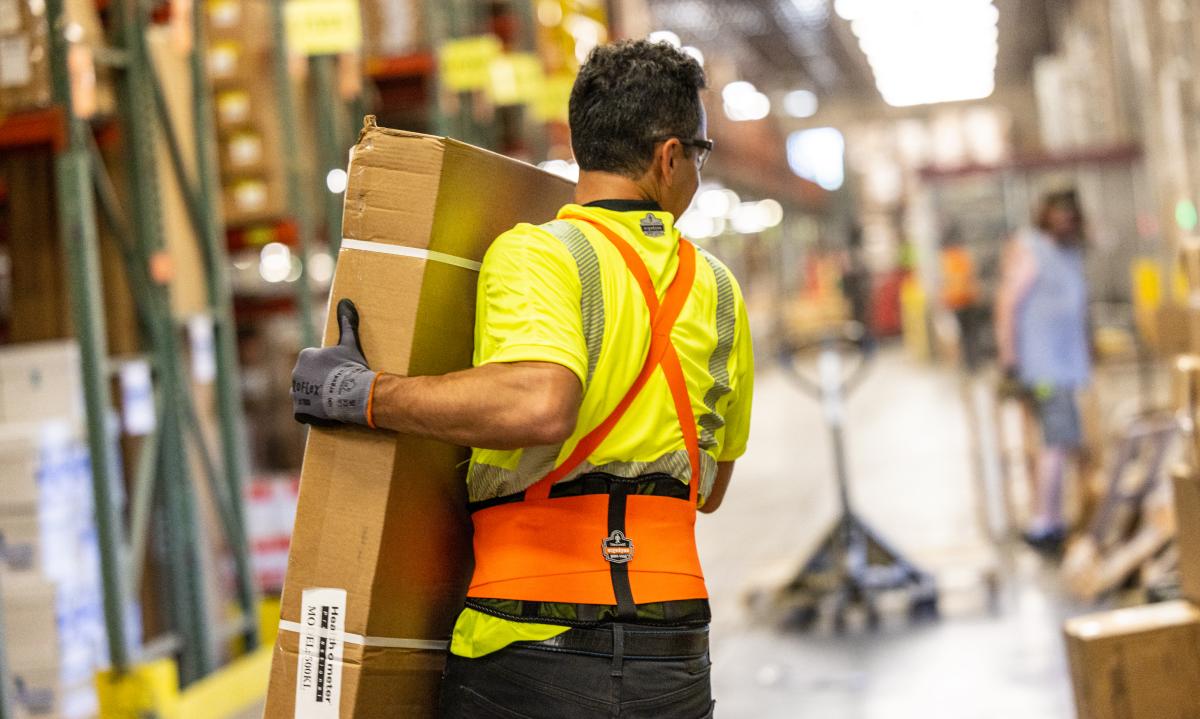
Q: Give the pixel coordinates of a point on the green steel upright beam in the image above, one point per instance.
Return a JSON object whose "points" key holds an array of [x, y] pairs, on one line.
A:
{"points": [[77, 224], [141, 130], [331, 147], [6, 710], [436, 33], [296, 200], [229, 398]]}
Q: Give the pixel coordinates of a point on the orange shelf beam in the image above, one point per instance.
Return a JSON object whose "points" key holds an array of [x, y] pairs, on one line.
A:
{"points": [[34, 127], [401, 67]]}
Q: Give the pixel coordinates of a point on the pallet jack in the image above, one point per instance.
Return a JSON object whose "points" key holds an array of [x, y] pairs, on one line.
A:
{"points": [[854, 565]]}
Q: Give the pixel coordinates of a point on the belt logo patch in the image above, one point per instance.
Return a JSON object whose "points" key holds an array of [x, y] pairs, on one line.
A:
{"points": [[617, 548]]}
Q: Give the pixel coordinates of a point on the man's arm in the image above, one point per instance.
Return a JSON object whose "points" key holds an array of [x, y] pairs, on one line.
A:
{"points": [[720, 486], [1017, 276], [493, 406], [497, 405]]}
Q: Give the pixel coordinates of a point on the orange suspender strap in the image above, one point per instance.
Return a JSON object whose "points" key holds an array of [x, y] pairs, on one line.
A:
{"points": [[661, 353]]}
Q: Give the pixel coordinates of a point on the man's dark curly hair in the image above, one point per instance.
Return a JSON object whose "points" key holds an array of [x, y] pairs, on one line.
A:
{"points": [[627, 95]]}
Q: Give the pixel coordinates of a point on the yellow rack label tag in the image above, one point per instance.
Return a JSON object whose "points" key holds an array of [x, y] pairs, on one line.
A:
{"points": [[465, 63], [323, 27]]}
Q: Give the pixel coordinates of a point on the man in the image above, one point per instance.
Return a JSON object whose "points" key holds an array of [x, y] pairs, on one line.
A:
{"points": [[609, 399], [1042, 335], [960, 294]]}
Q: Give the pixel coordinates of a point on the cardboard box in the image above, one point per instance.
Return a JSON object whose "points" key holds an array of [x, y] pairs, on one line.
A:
{"points": [[381, 546], [188, 289], [37, 291], [392, 27], [40, 694], [40, 381], [54, 643], [247, 110], [24, 58], [1187, 533], [30, 622], [34, 455], [1138, 663]]}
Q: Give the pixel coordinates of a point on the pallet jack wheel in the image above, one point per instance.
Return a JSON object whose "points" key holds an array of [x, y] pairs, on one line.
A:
{"points": [[874, 621], [924, 609], [802, 618]]}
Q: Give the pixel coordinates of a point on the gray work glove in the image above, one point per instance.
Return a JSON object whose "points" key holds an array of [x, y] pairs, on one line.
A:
{"points": [[333, 384]]}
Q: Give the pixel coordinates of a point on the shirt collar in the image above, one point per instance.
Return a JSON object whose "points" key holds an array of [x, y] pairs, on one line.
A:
{"points": [[626, 205]]}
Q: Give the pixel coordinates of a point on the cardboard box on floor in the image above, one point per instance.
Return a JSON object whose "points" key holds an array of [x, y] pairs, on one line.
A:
{"points": [[1137, 663], [1187, 532], [381, 553]]}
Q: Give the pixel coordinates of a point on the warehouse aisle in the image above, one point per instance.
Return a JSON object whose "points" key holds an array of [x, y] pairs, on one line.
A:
{"points": [[910, 464]]}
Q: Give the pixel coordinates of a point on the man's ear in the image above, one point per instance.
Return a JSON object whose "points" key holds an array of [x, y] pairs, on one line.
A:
{"points": [[667, 161]]}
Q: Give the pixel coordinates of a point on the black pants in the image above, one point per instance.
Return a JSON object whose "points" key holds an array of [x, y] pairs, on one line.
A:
{"points": [[523, 681]]}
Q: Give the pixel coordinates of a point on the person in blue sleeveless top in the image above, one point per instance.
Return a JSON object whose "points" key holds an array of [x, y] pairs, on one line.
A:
{"points": [[1043, 338]]}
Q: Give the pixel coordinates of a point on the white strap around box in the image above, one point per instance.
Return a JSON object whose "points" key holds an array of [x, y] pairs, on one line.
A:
{"points": [[384, 642], [431, 255]]}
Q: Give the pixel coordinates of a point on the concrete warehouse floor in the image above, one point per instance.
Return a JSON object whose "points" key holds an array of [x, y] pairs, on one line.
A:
{"points": [[911, 478]]}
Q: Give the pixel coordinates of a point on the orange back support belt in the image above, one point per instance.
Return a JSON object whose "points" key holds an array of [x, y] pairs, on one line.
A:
{"points": [[581, 548]]}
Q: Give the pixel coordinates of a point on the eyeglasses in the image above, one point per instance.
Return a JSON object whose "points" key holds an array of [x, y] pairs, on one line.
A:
{"points": [[704, 147]]}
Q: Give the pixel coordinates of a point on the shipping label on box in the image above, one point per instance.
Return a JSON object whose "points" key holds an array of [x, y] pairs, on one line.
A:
{"points": [[16, 65], [40, 381], [10, 16]]}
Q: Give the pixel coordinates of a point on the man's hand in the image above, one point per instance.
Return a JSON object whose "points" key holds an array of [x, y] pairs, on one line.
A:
{"points": [[333, 384]]}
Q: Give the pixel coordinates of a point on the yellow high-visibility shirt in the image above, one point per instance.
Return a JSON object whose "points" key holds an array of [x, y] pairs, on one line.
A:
{"points": [[562, 293]]}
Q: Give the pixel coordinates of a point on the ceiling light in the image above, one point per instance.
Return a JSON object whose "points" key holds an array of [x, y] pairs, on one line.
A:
{"points": [[695, 53], [320, 267], [746, 219], [665, 36], [695, 226], [800, 103], [927, 51], [744, 102], [336, 181], [818, 155], [716, 203], [770, 212], [275, 262]]}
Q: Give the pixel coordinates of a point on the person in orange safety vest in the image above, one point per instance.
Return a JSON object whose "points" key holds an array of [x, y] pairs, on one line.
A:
{"points": [[610, 396]]}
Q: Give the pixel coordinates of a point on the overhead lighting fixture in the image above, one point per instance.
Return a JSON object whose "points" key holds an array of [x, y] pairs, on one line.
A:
{"points": [[275, 262], [927, 51], [694, 52], [665, 36], [336, 180], [818, 155], [717, 202], [744, 102], [800, 103]]}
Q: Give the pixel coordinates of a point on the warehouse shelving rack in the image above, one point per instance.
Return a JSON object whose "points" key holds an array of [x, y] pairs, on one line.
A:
{"points": [[163, 487]]}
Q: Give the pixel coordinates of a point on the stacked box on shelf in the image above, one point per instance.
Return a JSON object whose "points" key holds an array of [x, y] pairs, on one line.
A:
{"points": [[270, 514], [247, 110], [54, 636], [25, 51], [392, 27]]}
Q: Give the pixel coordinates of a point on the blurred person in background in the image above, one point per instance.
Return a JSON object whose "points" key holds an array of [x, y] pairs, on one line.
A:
{"points": [[960, 295], [856, 283], [1042, 336]]}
